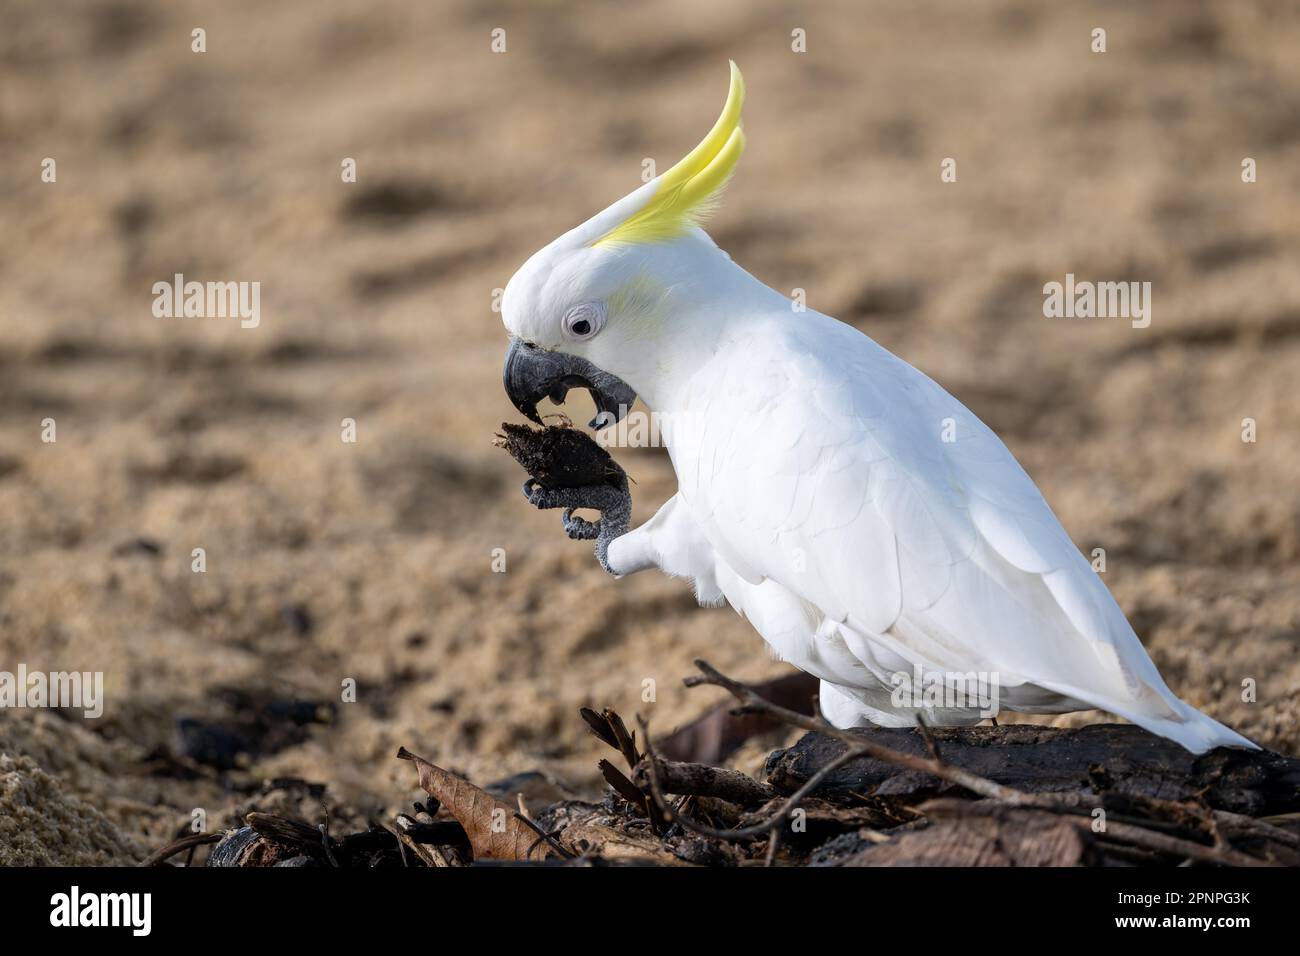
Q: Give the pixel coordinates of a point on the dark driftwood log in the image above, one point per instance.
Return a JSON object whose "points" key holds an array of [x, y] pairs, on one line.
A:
{"points": [[1019, 838], [702, 781], [1122, 761]]}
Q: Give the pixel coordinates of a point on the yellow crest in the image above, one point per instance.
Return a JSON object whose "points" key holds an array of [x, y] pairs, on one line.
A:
{"points": [[688, 193]]}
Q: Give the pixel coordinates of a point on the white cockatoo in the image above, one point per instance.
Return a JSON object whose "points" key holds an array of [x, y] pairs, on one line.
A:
{"points": [[869, 526]]}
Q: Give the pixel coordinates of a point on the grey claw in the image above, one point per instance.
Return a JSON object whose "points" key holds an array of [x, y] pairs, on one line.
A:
{"points": [[540, 497], [580, 529], [613, 502]]}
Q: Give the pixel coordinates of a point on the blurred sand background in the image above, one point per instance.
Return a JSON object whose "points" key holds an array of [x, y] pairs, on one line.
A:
{"points": [[372, 560]]}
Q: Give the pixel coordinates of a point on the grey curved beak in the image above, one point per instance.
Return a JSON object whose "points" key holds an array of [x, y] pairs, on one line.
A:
{"points": [[532, 374]]}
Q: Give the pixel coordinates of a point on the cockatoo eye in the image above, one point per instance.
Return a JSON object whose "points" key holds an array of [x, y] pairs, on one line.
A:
{"points": [[583, 321]]}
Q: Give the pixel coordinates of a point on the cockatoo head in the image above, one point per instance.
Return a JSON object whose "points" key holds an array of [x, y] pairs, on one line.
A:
{"points": [[605, 306]]}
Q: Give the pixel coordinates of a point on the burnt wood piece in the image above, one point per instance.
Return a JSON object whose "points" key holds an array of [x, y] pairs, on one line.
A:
{"points": [[1022, 838], [1121, 761], [704, 781], [559, 457]]}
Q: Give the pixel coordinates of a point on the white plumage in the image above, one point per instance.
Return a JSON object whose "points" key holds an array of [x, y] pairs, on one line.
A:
{"points": [[864, 520], [824, 503]]}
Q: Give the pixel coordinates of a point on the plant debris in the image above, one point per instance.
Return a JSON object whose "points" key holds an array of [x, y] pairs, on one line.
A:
{"points": [[560, 456], [567, 469], [496, 831], [1015, 795], [719, 731]]}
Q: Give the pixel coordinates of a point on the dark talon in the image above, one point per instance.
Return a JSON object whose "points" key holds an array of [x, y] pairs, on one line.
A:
{"points": [[579, 473], [540, 497], [580, 529], [611, 500]]}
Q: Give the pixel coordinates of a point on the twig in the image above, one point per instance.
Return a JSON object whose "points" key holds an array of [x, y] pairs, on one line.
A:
{"points": [[1124, 832], [626, 741], [1258, 828], [432, 842], [401, 844], [438, 833], [431, 855], [188, 842], [773, 842], [701, 780], [325, 841], [609, 727], [542, 835], [282, 829], [981, 786], [621, 785], [928, 737], [1068, 803], [745, 833]]}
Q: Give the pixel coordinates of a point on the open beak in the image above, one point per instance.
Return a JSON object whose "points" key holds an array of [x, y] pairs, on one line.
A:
{"points": [[532, 374]]}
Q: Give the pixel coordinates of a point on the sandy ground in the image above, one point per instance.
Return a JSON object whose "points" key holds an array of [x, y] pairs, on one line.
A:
{"points": [[371, 561]]}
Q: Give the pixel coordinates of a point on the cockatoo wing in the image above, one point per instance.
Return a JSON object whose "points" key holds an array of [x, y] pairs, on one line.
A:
{"points": [[824, 463]]}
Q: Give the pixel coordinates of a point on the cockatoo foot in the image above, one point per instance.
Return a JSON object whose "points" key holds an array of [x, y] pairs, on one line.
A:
{"points": [[579, 529], [613, 502]]}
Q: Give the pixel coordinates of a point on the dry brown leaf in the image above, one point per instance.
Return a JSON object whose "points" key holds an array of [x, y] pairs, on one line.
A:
{"points": [[495, 832]]}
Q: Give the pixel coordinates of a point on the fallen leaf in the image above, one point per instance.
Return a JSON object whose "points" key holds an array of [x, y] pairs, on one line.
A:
{"points": [[495, 832]]}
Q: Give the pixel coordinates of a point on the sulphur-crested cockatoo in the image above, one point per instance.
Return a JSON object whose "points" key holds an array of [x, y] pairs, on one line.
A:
{"points": [[874, 531]]}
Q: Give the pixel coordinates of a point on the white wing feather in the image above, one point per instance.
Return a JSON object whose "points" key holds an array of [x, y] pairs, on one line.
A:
{"points": [[819, 464]]}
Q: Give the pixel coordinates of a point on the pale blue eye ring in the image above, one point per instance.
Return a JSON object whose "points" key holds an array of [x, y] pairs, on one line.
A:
{"points": [[583, 321]]}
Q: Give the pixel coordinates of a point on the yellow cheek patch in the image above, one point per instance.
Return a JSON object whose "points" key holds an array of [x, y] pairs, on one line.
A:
{"points": [[637, 296], [689, 192], [638, 303]]}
